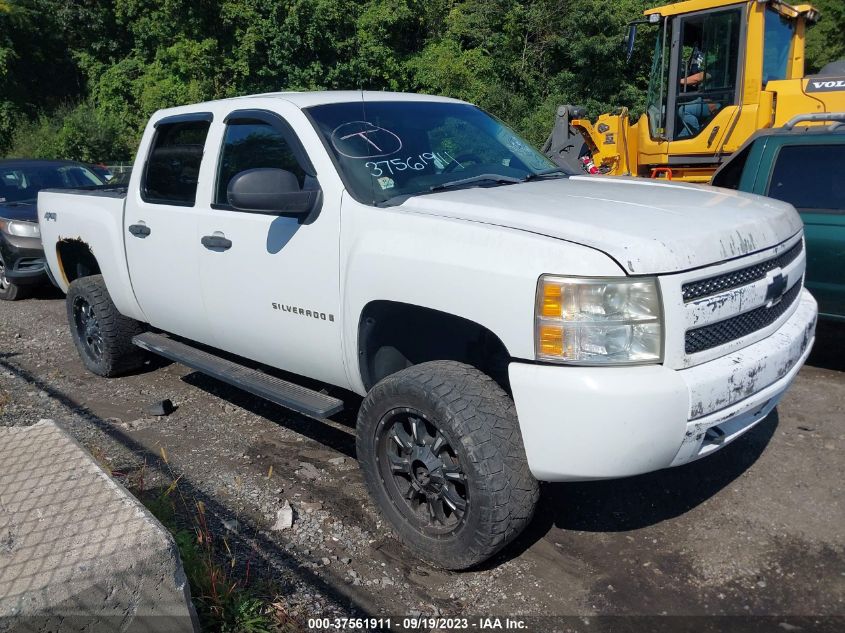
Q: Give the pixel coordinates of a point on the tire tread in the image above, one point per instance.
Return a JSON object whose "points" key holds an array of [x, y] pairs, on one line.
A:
{"points": [[484, 417], [120, 355]]}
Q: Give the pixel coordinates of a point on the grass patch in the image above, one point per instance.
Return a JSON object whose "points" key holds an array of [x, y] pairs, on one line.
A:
{"points": [[222, 593], [226, 598]]}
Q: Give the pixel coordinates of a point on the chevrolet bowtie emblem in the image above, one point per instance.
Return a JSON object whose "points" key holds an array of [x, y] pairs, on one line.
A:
{"points": [[775, 290]]}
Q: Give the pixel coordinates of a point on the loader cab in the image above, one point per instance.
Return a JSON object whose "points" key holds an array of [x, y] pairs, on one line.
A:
{"points": [[721, 70], [712, 60], [695, 71]]}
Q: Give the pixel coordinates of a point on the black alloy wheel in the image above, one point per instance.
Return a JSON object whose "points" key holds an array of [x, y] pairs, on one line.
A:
{"points": [[422, 472], [88, 329]]}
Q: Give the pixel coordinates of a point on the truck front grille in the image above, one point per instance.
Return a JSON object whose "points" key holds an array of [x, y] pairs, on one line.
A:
{"points": [[734, 279], [715, 334]]}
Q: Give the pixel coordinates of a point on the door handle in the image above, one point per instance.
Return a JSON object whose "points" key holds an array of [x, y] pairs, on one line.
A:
{"points": [[139, 230], [216, 242]]}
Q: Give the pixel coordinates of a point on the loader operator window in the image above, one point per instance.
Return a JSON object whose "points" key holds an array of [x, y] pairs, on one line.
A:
{"points": [[250, 144], [173, 166], [707, 70], [777, 45]]}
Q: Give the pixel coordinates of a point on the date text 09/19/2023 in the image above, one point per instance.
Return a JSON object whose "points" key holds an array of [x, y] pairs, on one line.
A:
{"points": [[417, 623]]}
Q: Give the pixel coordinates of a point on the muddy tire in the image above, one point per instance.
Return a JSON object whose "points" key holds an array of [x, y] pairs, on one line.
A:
{"points": [[102, 335], [443, 459], [9, 291]]}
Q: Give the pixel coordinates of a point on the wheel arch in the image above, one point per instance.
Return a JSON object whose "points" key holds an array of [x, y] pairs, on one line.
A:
{"points": [[394, 335], [76, 259]]}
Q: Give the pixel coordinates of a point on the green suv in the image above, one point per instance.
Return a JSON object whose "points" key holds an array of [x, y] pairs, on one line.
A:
{"points": [[804, 166]]}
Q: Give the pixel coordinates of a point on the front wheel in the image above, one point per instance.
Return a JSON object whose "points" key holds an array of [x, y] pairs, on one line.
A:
{"points": [[442, 456], [102, 335], [8, 291]]}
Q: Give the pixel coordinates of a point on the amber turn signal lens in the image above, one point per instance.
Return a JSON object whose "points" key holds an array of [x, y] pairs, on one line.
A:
{"points": [[551, 340], [552, 300]]}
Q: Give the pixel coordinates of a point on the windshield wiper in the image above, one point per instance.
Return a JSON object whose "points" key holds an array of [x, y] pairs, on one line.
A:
{"points": [[463, 182], [497, 178], [555, 171]]}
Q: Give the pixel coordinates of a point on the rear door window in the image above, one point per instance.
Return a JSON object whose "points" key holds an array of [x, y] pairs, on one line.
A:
{"points": [[174, 163], [810, 177]]}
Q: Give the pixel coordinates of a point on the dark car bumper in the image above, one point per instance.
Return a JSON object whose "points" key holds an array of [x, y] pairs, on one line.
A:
{"points": [[24, 259]]}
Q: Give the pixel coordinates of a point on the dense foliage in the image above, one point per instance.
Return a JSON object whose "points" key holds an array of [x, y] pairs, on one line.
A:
{"points": [[78, 78]]}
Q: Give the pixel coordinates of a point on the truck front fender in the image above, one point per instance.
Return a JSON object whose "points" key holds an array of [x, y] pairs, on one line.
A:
{"points": [[479, 272]]}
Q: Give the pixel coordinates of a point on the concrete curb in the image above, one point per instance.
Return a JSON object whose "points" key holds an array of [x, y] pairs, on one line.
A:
{"points": [[77, 551]]}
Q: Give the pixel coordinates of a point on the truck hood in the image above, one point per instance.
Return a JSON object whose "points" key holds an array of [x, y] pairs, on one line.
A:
{"points": [[647, 227]]}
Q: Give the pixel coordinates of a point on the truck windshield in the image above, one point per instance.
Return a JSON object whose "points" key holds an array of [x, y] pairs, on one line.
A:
{"points": [[387, 151]]}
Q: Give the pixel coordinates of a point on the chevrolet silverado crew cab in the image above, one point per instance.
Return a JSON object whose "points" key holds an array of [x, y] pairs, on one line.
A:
{"points": [[504, 322]]}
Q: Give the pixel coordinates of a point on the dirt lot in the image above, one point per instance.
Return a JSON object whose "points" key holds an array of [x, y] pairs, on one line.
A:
{"points": [[754, 530]]}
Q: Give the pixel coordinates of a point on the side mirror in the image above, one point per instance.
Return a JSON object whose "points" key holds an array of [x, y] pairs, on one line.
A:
{"points": [[630, 39], [271, 191]]}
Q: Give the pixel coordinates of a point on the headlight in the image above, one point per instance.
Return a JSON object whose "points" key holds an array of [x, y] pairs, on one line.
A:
{"points": [[598, 321], [20, 229]]}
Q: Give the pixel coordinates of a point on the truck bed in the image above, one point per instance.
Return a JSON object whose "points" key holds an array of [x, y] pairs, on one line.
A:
{"points": [[92, 219]]}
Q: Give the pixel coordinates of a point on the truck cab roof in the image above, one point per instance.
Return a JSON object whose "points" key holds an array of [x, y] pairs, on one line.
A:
{"points": [[307, 99]]}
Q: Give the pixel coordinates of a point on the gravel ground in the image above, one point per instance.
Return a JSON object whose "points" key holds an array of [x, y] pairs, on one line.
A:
{"points": [[756, 529]]}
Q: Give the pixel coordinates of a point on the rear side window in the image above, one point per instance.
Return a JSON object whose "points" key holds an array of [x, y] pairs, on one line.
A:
{"points": [[174, 163], [251, 144], [810, 177], [730, 175]]}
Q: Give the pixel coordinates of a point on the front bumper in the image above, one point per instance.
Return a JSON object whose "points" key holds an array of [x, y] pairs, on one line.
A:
{"points": [[24, 260], [581, 423]]}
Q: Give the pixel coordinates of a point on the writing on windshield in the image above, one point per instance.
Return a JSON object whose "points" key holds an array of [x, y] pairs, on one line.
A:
{"points": [[388, 150]]}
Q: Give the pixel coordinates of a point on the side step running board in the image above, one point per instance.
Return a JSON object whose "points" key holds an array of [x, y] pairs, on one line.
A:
{"points": [[270, 388]]}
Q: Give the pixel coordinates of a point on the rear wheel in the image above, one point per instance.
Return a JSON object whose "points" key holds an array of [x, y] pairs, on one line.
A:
{"points": [[442, 456], [102, 335], [9, 291]]}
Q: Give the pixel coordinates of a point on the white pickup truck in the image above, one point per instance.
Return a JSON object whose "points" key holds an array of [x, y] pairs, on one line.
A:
{"points": [[504, 322]]}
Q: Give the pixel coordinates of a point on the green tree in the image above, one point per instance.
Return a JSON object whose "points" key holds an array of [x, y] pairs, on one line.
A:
{"points": [[826, 40], [120, 60], [79, 132]]}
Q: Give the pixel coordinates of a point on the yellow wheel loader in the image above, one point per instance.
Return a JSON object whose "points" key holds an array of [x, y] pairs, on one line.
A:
{"points": [[721, 70]]}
